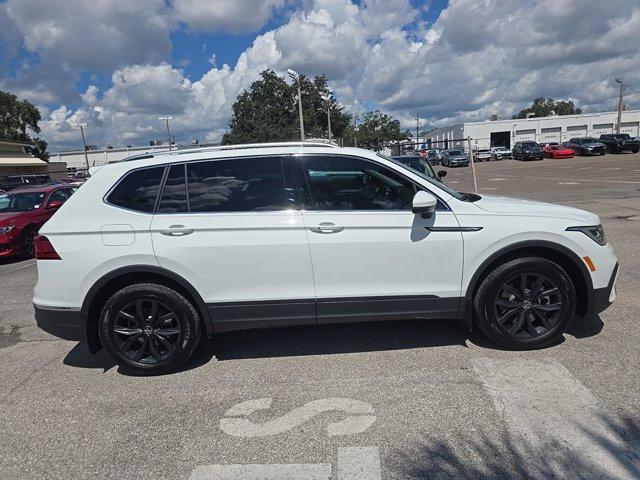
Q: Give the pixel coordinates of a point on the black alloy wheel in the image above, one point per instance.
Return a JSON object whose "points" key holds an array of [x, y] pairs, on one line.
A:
{"points": [[149, 328], [147, 331], [528, 305], [525, 303]]}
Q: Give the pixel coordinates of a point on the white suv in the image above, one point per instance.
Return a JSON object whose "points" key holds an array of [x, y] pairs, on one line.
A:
{"points": [[156, 251]]}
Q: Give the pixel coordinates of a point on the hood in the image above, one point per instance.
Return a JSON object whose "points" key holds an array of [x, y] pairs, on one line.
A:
{"points": [[508, 205], [6, 216], [594, 144]]}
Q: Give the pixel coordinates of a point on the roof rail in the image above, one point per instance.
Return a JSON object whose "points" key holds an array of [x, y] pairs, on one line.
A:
{"points": [[246, 146]]}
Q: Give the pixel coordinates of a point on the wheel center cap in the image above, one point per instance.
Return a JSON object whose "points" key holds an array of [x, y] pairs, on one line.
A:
{"points": [[526, 304], [148, 330]]}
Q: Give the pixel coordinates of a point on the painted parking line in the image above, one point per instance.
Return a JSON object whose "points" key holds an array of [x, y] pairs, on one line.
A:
{"points": [[22, 265], [359, 463], [556, 419], [568, 183]]}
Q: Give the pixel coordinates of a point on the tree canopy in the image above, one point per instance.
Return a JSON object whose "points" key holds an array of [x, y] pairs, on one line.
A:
{"points": [[268, 111], [19, 118], [376, 129], [542, 107]]}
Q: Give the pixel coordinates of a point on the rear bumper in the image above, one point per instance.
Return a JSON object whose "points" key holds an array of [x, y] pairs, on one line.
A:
{"points": [[604, 297], [65, 323]]}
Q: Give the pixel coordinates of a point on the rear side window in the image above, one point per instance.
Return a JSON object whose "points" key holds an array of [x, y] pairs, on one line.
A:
{"points": [[138, 190], [174, 194], [238, 185]]}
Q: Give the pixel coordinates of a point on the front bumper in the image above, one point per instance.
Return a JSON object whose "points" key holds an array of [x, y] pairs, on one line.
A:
{"points": [[64, 323], [604, 297], [9, 245]]}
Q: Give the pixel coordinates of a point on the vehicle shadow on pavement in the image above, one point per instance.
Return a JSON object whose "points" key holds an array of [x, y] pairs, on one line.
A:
{"points": [[332, 339], [473, 455]]}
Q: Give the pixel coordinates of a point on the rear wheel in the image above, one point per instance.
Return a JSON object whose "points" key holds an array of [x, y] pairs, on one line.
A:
{"points": [[525, 303], [149, 328]]}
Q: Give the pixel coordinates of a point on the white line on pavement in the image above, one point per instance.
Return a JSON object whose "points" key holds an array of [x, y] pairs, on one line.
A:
{"points": [[556, 420], [568, 183], [359, 463], [27, 263]]}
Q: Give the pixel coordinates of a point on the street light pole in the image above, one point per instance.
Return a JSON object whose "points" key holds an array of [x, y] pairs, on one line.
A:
{"points": [[166, 118], [293, 74], [621, 82], [84, 143]]}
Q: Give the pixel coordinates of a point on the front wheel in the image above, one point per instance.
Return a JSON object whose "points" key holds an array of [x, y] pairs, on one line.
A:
{"points": [[149, 328], [27, 246], [525, 303]]}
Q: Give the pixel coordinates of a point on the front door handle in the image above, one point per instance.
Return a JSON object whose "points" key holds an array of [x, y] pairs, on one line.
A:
{"points": [[176, 231], [327, 227]]}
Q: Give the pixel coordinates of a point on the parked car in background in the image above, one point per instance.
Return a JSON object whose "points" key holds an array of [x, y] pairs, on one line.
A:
{"points": [[154, 253], [498, 153], [432, 158], [455, 158], [482, 155], [586, 146], [419, 164], [620, 142], [23, 211], [527, 150], [557, 151], [9, 182]]}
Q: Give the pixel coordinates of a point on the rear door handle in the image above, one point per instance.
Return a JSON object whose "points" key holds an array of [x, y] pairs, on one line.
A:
{"points": [[176, 231], [327, 227]]}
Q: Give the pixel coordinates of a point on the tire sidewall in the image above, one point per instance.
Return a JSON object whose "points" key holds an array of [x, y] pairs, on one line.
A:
{"points": [[185, 314], [491, 285]]}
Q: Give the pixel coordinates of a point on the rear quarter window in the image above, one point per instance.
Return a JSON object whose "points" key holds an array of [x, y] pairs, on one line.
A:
{"points": [[138, 190]]}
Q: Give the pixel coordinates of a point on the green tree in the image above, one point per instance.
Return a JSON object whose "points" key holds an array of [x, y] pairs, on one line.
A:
{"points": [[377, 128], [19, 118], [542, 107], [268, 111]]}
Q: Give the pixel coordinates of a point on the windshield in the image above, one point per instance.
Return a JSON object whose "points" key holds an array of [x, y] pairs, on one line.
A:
{"points": [[430, 178], [20, 202], [530, 145], [455, 152], [622, 136]]}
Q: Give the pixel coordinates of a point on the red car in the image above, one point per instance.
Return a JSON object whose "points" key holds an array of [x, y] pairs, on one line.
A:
{"points": [[557, 151], [22, 213]]}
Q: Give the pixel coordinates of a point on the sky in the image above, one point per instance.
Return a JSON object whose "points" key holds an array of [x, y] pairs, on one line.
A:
{"points": [[118, 65]]}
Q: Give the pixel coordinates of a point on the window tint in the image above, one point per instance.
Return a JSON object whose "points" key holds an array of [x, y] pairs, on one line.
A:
{"points": [[238, 185], [58, 196], [343, 183], [174, 194], [138, 190]]}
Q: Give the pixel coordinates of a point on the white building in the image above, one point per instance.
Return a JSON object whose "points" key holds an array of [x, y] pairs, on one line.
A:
{"points": [[542, 130], [76, 161]]}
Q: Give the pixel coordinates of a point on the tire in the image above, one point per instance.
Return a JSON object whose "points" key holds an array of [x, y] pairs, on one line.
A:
{"points": [[146, 345], [635, 150], [524, 320], [27, 247]]}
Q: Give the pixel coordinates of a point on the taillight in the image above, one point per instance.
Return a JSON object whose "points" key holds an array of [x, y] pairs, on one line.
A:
{"points": [[44, 250]]}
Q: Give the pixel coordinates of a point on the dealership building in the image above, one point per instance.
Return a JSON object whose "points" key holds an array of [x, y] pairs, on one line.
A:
{"points": [[492, 133]]}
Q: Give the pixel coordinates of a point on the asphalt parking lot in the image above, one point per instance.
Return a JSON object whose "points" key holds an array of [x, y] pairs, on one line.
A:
{"points": [[396, 400]]}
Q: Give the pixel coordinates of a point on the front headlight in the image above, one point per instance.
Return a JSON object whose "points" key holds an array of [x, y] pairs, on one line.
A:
{"points": [[595, 233], [7, 229]]}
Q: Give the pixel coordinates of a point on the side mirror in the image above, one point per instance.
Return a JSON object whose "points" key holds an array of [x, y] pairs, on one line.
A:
{"points": [[55, 205], [424, 203], [441, 174]]}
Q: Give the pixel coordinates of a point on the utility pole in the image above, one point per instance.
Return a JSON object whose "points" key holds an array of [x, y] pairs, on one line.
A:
{"points": [[84, 143], [293, 74], [328, 99], [621, 82], [166, 118], [417, 129]]}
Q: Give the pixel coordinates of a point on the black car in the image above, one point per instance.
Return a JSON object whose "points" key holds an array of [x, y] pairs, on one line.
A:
{"points": [[419, 164], [586, 146], [9, 182], [527, 150], [619, 142]]}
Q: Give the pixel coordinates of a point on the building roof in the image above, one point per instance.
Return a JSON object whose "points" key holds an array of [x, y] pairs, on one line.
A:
{"points": [[11, 143], [12, 154]]}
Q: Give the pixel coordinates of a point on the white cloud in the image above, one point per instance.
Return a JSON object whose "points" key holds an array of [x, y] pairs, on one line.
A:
{"points": [[224, 15], [476, 59]]}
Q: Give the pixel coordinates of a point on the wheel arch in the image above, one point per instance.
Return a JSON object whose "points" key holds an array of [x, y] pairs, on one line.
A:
{"points": [[108, 284], [563, 256]]}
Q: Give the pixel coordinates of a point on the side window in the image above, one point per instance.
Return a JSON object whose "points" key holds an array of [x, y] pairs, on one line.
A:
{"points": [[58, 196], [138, 190], [237, 185], [344, 183], [174, 194]]}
